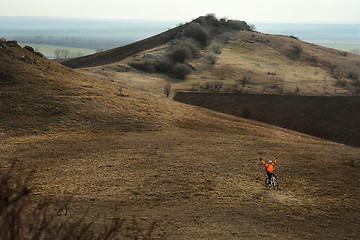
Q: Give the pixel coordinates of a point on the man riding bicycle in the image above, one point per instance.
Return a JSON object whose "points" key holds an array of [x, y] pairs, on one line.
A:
{"points": [[269, 166]]}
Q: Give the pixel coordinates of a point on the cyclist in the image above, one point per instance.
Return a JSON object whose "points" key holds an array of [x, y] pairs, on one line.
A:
{"points": [[269, 166]]}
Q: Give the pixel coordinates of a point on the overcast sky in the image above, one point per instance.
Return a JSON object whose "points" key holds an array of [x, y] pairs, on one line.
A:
{"points": [[184, 10]]}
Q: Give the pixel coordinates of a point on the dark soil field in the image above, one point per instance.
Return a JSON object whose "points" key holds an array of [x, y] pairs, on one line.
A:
{"points": [[333, 118]]}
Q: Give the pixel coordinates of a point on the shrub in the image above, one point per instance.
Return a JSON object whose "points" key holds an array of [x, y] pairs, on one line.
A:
{"points": [[211, 57], [167, 89], [217, 48], [140, 65], [209, 19], [180, 54], [244, 81], [196, 32], [163, 66], [297, 49], [193, 47], [207, 85], [353, 75], [313, 60], [237, 25], [292, 36], [225, 37], [180, 70], [150, 66], [218, 86], [252, 27]]}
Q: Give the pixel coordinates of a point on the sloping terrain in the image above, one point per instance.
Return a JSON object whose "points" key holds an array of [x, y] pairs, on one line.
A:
{"points": [[194, 171]]}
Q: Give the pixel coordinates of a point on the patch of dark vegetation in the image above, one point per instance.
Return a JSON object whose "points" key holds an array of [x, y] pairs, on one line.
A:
{"points": [[333, 118], [174, 69], [271, 73], [214, 86], [296, 50], [180, 70], [294, 37], [313, 61], [24, 217], [344, 54], [6, 79], [211, 58], [353, 75], [180, 53]]}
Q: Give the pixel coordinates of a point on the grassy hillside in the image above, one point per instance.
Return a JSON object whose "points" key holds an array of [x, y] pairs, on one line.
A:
{"points": [[271, 64], [274, 64], [193, 171]]}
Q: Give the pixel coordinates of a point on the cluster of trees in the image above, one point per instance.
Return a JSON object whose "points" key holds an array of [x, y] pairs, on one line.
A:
{"points": [[65, 53]]}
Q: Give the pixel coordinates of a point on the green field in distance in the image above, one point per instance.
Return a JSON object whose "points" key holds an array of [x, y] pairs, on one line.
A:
{"points": [[49, 50]]}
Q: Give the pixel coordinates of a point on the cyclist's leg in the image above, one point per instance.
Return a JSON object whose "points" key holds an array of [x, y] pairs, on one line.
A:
{"points": [[269, 176]]}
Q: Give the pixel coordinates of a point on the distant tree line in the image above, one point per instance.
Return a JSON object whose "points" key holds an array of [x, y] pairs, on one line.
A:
{"points": [[65, 53], [71, 41], [61, 53]]}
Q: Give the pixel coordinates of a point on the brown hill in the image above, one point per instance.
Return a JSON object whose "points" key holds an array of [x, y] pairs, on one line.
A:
{"points": [[196, 172]]}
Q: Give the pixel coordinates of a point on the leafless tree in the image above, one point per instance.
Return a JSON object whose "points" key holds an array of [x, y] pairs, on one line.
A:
{"points": [[167, 89], [245, 80], [61, 53]]}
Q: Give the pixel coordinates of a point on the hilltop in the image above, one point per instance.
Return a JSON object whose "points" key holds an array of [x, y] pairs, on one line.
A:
{"points": [[231, 53], [123, 152], [200, 30]]}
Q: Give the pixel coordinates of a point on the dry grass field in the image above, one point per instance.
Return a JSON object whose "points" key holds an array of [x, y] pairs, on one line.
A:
{"points": [[121, 152]]}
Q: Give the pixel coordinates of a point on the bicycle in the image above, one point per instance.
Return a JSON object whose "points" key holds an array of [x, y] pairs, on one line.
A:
{"points": [[272, 183]]}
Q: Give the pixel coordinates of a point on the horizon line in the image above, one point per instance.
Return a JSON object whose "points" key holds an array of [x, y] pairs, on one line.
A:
{"points": [[184, 21]]}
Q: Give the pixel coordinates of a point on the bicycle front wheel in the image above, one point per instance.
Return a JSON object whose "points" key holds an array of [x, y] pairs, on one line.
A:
{"points": [[275, 185]]}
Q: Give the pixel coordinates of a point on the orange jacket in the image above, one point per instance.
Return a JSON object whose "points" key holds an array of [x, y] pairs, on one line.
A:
{"points": [[269, 166]]}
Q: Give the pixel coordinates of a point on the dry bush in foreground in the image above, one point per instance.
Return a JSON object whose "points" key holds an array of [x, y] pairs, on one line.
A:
{"points": [[21, 217]]}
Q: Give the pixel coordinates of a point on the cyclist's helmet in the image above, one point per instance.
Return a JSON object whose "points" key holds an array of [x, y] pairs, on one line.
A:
{"points": [[270, 161]]}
